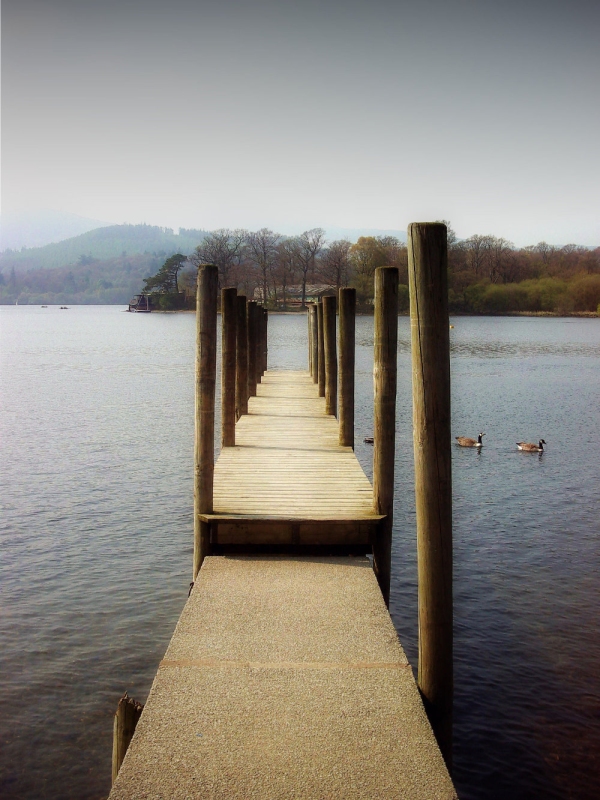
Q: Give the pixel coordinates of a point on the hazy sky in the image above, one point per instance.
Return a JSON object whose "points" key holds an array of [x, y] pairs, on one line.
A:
{"points": [[224, 113]]}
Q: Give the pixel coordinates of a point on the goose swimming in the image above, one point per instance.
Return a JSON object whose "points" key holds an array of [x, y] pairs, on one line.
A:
{"points": [[529, 447], [464, 441]]}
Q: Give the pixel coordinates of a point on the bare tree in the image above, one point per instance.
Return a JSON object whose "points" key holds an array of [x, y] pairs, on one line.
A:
{"points": [[261, 250], [335, 264], [224, 248], [310, 244], [287, 265]]}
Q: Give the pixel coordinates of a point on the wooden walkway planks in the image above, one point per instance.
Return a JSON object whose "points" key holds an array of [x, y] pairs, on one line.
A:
{"points": [[287, 465]]}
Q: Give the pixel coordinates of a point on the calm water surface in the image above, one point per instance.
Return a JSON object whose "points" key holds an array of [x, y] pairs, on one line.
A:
{"points": [[96, 538]]}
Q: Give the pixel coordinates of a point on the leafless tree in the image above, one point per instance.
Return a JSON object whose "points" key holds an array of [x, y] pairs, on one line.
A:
{"points": [[287, 265], [224, 248], [335, 264], [261, 250], [310, 244]]}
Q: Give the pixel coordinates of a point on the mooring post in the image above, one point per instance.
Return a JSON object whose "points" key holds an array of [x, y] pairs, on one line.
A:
{"points": [[314, 339], [329, 337], [259, 342], [347, 322], [430, 337], [206, 369], [252, 335], [384, 445], [241, 372], [126, 718], [228, 365], [266, 340], [321, 375], [310, 368]]}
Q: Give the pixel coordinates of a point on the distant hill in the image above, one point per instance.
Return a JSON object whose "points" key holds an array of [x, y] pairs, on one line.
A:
{"points": [[38, 228], [102, 243], [106, 265]]}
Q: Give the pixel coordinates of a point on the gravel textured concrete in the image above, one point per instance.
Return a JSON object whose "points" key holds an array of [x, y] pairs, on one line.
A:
{"points": [[284, 679]]}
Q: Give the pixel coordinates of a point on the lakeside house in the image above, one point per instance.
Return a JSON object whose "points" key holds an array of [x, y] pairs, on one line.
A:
{"points": [[292, 297]]}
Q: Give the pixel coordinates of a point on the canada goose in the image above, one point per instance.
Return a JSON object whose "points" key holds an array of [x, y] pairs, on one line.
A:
{"points": [[368, 440], [464, 441], [532, 448]]}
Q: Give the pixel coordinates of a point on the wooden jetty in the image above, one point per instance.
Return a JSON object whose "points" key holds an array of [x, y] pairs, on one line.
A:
{"points": [[285, 677]]}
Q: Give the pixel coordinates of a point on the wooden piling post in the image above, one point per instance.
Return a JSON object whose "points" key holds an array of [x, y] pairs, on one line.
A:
{"points": [[310, 371], [126, 718], [266, 340], [241, 372], [314, 340], [206, 368], [329, 339], [228, 365], [428, 283], [384, 449], [252, 348], [347, 323], [321, 340]]}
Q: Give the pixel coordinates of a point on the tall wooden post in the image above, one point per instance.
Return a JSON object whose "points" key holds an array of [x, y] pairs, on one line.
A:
{"points": [[314, 339], [266, 343], [126, 718], [228, 365], [206, 369], [252, 349], [241, 373], [329, 337], [310, 370], [347, 322], [321, 340], [428, 283], [384, 449]]}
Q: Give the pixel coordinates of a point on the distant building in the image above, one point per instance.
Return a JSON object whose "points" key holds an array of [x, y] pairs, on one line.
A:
{"points": [[293, 294]]}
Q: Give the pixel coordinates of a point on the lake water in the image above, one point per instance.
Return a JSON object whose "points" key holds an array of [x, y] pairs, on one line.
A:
{"points": [[96, 426]]}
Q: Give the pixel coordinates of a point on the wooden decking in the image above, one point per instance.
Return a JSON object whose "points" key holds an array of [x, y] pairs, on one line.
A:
{"points": [[287, 481]]}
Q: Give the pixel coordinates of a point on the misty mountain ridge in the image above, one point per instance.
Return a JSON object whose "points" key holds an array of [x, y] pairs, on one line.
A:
{"points": [[42, 227]]}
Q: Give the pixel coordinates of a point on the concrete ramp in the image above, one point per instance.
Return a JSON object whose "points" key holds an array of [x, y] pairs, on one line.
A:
{"points": [[284, 679]]}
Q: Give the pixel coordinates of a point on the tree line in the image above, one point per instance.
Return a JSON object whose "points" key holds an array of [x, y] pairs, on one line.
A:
{"points": [[486, 274]]}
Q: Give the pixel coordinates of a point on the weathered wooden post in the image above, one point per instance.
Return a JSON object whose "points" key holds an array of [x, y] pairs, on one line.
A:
{"points": [[428, 283], [252, 349], [347, 323], [384, 449], [259, 341], [329, 337], [241, 373], [228, 365], [321, 339], [266, 340], [126, 718], [310, 369], [206, 369], [314, 339]]}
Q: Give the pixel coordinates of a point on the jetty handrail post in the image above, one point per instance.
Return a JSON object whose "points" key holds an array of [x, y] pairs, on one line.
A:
{"points": [[384, 434], [252, 337], [265, 364], [347, 326], [241, 372], [314, 326], [228, 365], [430, 344], [308, 317], [206, 377], [321, 340], [260, 337], [329, 337]]}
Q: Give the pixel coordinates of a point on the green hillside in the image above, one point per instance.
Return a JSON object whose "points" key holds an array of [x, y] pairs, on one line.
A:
{"points": [[106, 265], [102, 243]]}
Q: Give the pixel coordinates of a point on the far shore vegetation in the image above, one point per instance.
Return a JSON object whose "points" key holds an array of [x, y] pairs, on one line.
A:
{"points": [[486, 274]]}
